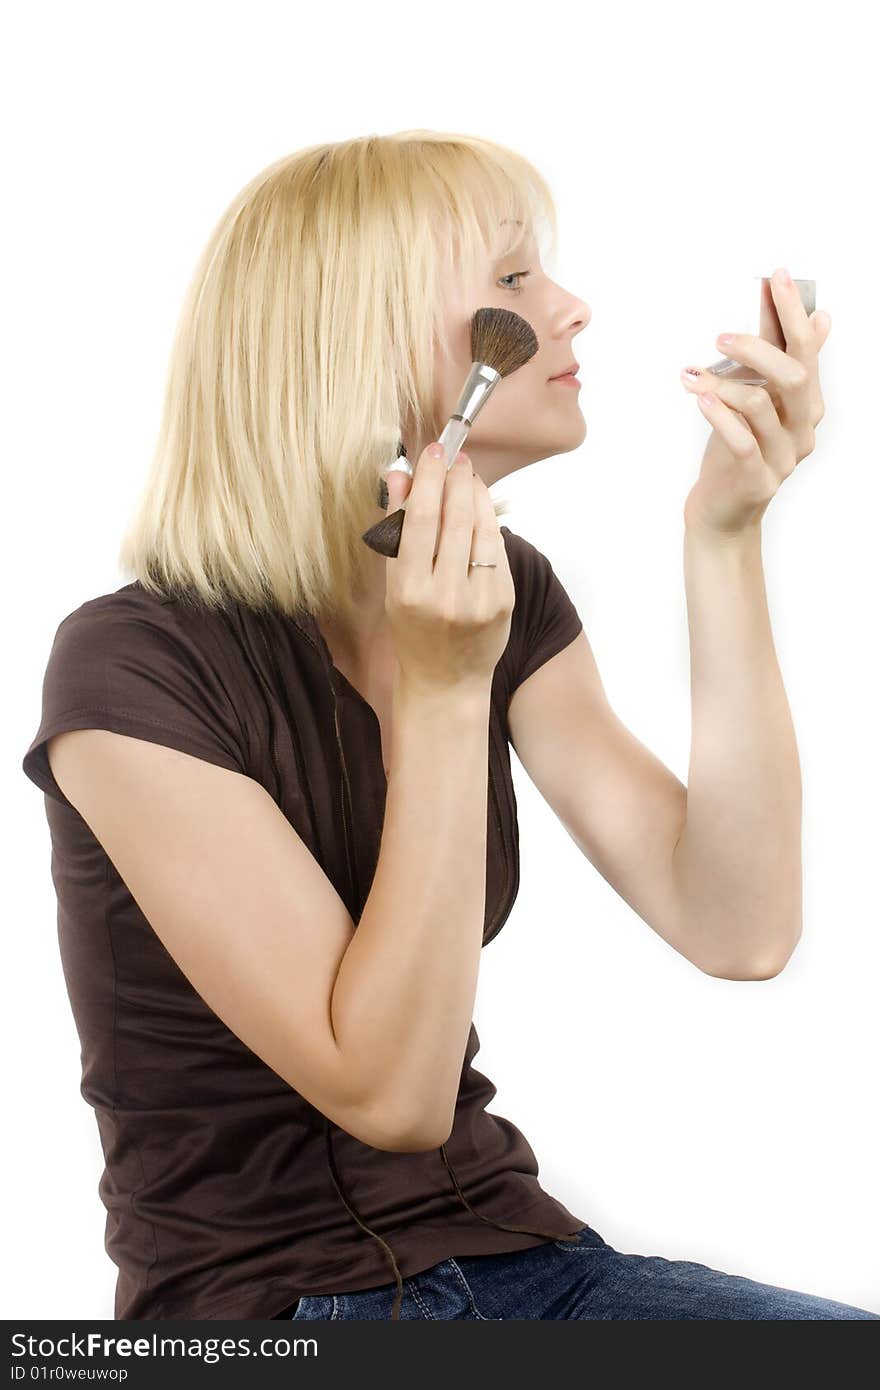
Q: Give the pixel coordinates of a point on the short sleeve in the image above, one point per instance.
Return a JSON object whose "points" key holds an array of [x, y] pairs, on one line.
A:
{"points": [[544, 619], [127, 663]]}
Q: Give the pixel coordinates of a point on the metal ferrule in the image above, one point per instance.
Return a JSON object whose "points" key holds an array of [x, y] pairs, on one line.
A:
{"points": [[478, 387], [480, 383]]}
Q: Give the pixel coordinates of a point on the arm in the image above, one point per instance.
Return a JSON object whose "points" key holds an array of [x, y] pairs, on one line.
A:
{"points": [[726, 887], [665, 848], [404, 995], [737, 861], [369, 1024]]}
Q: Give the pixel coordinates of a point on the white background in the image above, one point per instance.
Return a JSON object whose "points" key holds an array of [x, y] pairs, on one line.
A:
{"points": [[690, 148]]}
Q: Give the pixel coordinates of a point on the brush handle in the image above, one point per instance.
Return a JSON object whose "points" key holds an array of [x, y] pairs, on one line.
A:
{"points": [[735, 371], [454, 434]]}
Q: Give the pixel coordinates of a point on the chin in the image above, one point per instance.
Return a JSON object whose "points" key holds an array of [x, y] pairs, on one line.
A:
{"points": [[565, 436], [579, 432]]}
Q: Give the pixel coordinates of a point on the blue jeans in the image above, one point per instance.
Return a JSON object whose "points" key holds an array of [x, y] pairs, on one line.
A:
{"points": [[560, 1280]]}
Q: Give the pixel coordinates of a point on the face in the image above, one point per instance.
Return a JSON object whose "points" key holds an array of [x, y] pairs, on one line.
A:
{"points": [[528, 416]]}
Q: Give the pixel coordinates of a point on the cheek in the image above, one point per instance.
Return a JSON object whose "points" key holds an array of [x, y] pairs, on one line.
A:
{"points": [[519, 407], [524, 412], [535, 398]]}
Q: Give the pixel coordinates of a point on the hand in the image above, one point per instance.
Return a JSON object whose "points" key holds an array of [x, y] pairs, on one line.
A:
{"points": [[759, 433], [449, 623]]}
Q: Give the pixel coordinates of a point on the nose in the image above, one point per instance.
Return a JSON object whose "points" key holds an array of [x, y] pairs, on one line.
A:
{"points": [[581, 315], [572, 314]]}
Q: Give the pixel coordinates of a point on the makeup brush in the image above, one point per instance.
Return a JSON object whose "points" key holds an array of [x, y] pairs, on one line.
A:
{"points": [[501, 341]]}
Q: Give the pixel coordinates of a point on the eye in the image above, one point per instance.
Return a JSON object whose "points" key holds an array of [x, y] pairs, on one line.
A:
{"points": [[514, 275]]}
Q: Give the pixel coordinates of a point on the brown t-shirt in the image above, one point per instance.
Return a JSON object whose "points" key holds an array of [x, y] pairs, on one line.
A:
{"points": [[218, 1180]]}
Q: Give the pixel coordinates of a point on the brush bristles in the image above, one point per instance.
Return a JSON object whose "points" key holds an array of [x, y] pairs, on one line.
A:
{"points": [[502, 339], [384, 537]]}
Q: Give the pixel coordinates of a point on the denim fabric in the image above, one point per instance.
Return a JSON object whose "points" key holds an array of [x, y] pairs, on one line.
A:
{"points": [[589, 1280]]}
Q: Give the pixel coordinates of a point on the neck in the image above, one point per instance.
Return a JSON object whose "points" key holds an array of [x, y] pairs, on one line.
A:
{"points": [[364, 645]]}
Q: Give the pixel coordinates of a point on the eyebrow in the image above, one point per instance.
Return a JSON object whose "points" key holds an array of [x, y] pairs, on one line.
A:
{"points": [[517, 222]]}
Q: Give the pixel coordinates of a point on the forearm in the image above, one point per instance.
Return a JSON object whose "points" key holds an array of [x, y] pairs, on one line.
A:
{"points": [[404, 995], [738, 861]]}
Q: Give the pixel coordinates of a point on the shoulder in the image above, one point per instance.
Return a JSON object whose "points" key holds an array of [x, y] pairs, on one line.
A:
{"points": [[138, 608], [145, 665], [120, 628], [545, 619], [529, 566], [538, 587], [520, 552]]}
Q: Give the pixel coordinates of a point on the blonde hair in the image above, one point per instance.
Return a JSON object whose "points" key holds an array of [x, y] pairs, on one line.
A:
{"points": [[305, 340]]}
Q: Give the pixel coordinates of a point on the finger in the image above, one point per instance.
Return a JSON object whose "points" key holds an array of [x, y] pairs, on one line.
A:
{"points": [[398, 484], [799, 341], [488, 542], [820, 320], [774, 441], [419, 534], [782, 370], [735, 433], [781, 445], [457, 523]]}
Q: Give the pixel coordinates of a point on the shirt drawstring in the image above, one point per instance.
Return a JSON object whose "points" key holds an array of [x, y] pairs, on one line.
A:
{"points": [[386, 1248], [328, 1124]]}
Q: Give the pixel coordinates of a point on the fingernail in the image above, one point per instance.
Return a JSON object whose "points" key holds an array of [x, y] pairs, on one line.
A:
{"points": [[691, 371], [436, 451], [783, 276], [725, 338]]}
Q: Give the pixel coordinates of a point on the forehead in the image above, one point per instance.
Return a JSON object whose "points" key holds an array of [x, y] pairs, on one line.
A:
{"points": [[512, 234]]}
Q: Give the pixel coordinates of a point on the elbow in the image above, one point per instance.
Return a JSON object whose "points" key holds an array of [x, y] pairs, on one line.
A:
{"points": [[396, 1134], [764, 966], [417, 1143], [396, 1124], [754, 971], [411, 1141], [420, 1138]]}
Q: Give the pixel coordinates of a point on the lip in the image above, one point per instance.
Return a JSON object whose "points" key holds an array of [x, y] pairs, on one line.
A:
{"points": [[569, 371]]}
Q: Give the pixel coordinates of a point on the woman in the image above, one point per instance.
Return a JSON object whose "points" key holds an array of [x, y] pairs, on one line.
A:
{"points": [[277, 776]]}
